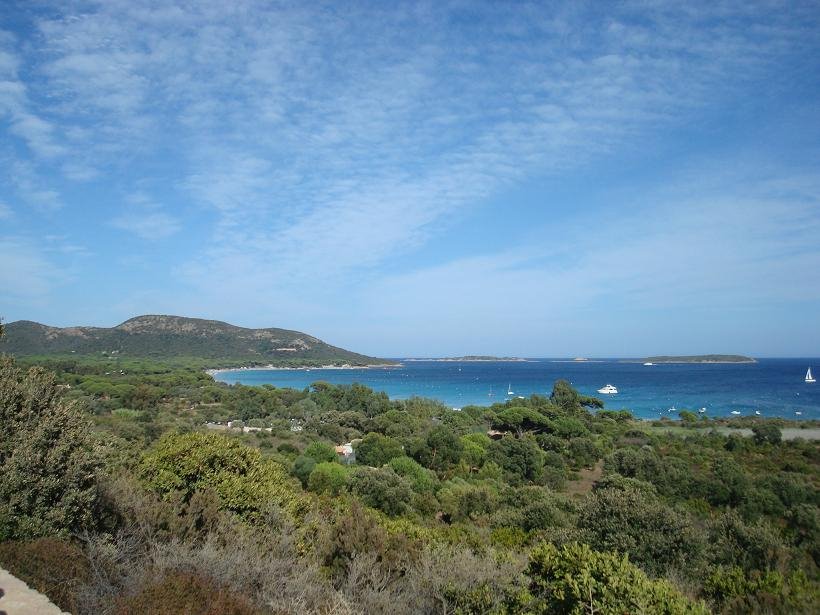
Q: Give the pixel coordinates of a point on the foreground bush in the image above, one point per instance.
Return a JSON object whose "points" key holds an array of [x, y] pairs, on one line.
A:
{"points": [[576, 579], [180, 465], [47, 462], [183, 592], [51, 566]]}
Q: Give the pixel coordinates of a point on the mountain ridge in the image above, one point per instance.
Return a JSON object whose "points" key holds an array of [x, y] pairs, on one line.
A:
{"points": [[161, 336]]}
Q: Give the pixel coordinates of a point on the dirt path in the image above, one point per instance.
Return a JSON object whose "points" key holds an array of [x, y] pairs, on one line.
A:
{"points": [[17, 598], [587, 478]]}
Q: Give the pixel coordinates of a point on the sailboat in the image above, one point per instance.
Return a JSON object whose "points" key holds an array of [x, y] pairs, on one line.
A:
{"points": [[809, 377], [509, 390]]}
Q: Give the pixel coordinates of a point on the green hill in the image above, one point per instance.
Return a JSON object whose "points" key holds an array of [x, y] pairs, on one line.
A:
{"points": [[173, 337]]}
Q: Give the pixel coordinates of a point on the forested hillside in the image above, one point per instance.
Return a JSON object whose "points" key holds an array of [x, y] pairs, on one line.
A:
{"points": [[167, 337]]}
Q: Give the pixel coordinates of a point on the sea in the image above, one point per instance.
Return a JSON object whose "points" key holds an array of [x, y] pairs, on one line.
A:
{"points": [[773, 387]]}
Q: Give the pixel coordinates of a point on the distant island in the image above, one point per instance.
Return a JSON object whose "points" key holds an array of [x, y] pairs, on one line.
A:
{"points": [[700, 358], [477, 358], [212, 342]]}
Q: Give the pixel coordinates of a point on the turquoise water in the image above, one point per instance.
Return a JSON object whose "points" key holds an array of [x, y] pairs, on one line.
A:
{"points": [[775, 387]]}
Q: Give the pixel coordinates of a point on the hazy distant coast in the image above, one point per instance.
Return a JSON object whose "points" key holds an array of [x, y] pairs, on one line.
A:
{"points": [[702, 358], [471, 358]]}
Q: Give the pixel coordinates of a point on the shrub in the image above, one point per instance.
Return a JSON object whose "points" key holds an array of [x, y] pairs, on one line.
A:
{"points": [[47, 461], [767, 433], [319, 452], [376, 450], [52, 566], [184, 592], [521, 459], [246, 483], [576, 579], [656, 537], [421, 479], [734, 591], [328, 477], [381, 488]]}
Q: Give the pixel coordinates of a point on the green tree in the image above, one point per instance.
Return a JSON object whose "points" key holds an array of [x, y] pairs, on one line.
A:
{"points": [[441, 449], [328, 477], [521, 458], [48, 463], [577, 580], [381, 488], [376, 450], [767, 434], [302, 467], [421, 479], [319, 452], [687, 416]]}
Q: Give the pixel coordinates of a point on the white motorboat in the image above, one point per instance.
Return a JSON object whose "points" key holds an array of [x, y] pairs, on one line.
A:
{"points": [[608, 390], [735, 412], [809, 377], [757, 412], [798, 413], [649, 363], [702, 411]]}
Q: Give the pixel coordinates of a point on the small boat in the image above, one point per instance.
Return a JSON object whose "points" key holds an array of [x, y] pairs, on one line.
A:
{"points": [[757, 412], [608, 390], [649, 363], [702, 411], [509, 389], [735, 411], [809, 377], [521, 397], [798, 413]]}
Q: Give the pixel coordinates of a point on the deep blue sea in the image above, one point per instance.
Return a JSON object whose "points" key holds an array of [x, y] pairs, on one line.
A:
{"points": [[775, 387]]}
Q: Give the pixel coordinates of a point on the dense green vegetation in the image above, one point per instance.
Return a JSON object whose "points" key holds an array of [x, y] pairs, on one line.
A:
{"points": [[174, 337], [124, 491]]}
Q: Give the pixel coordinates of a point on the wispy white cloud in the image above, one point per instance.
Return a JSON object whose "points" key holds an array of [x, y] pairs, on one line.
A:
{"points": [[145, 218], [26, 276]]}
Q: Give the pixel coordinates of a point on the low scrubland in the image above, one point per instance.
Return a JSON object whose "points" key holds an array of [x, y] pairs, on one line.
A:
{"points": [[122, 490]]}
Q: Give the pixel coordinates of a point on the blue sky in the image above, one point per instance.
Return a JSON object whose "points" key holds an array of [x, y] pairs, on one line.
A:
{"points": [[419, 178]]}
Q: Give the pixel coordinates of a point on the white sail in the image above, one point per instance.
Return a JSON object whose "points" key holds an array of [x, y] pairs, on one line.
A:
{"points": [[809, 377]]}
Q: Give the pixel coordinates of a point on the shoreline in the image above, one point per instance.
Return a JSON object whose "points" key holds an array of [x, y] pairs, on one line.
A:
{"points": [[273, 368]]}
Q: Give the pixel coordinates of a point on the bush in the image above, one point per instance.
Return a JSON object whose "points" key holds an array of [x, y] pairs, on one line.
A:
{"points": [[319, 452], [421, 479], [657, 538], [376, 450], [246, 483], [48, 464], [184, 592], [767, 433], [521, 459], [734, 591], [381, 488], [328, 477], [576, 579], [52, 566]]}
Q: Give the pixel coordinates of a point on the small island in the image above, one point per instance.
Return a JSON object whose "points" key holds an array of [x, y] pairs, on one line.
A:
{"points": [[700, 358]]}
